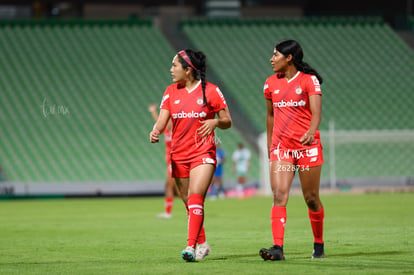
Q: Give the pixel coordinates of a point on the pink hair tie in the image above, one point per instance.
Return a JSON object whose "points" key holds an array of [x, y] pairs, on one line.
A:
{"points": [[187, 59]]}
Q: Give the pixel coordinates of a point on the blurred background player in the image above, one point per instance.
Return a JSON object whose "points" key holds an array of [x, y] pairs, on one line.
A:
{"points": [[192, 104], [241, 165], [293, 141], [217, 189], [170, 187]]}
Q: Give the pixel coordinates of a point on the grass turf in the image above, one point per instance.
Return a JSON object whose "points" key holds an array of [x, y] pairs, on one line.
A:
{"points": [[364, 234]]}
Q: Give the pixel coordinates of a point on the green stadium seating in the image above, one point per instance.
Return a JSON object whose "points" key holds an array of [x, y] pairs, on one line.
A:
{"points": [[103, 74], [367, 70], [99, 77], [75, 93], [356, 57]]}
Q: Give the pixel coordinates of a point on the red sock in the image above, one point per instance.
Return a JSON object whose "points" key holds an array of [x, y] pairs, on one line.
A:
{"points": [[202, 235], [316, 219], [195, 219], [278, 218], [168, 204]]}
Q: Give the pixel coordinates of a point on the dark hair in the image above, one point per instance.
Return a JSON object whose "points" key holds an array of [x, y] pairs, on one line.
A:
{"points": [[292, 47], [198, 59]]}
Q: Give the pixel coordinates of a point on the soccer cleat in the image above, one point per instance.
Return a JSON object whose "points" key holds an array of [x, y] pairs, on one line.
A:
{"points": [[202, 251], [318, 251], [164, 216], [275, 253], [188, 254]]}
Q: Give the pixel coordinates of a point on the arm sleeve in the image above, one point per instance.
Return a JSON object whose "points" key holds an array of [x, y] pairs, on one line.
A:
{"points": [[312, 86], [266, 90], [217, 101], [165, 102]]}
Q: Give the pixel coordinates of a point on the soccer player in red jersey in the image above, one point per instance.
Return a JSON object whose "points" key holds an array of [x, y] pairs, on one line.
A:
{"points": [[192, 104], [294, 103], [170, 187]]}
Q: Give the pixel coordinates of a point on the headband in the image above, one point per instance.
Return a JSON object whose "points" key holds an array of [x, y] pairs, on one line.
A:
{"points": [[187, 59]]}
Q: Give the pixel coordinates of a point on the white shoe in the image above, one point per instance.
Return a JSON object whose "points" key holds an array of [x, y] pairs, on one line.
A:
{"points": [[202, 251], [164, 216], [188, 254]]}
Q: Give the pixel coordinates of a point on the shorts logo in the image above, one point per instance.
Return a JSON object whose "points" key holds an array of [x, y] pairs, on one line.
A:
{"points": [[312, 152], [198, 211], [208, 161]]}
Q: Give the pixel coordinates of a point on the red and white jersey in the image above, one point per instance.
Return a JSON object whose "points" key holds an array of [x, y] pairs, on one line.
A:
{"points": [[187, 109], [292, 113]]}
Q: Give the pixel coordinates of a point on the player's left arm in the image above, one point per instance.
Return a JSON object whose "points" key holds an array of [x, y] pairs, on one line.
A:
{"points": [[315, 102], [223, 122], [160, 125]]}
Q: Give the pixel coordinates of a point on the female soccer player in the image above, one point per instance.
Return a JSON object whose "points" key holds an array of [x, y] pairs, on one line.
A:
{"points": [[293, 97], [192, 104], [170, 186]]}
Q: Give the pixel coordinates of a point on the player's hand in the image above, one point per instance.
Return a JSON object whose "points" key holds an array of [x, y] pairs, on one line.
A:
{"points": [[207, 127], [152, 108], [307, 138], [154, 136]]}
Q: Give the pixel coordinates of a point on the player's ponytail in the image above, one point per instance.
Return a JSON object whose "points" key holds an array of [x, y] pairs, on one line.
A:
{"points": [[197, 61], [292, 47], [202, 74]]}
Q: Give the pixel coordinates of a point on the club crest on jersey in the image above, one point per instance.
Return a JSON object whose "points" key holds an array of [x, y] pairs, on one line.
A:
{"points": [[200, 101], [298, 90]]}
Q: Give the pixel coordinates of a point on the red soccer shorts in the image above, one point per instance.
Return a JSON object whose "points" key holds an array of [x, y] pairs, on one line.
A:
{"points": [[305, 158], [181, 169]]}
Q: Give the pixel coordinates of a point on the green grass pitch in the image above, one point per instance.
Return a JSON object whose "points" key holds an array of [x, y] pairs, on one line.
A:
{"points": [[364, 234]]}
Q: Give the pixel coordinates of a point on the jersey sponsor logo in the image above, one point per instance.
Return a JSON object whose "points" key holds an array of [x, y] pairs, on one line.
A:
{"points": [[291, 103], [191, 114]]}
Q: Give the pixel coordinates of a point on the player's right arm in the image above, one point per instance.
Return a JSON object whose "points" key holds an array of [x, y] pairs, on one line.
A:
{"points": [[269, 124], [160, 125]]}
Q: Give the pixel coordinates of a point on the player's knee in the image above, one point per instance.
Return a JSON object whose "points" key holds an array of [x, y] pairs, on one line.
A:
{"points": [[312, 201], [280, 198]]}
